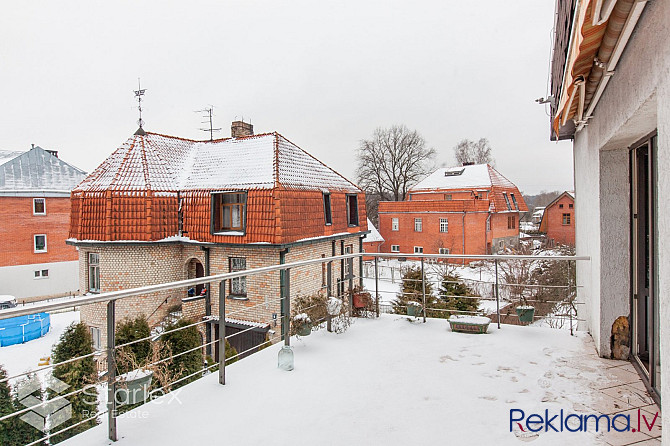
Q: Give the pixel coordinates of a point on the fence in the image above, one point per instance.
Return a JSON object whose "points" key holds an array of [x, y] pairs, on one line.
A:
{"points": [[386, 268]]}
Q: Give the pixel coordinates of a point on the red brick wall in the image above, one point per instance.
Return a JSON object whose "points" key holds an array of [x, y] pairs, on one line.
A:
{"points": [[556, 230], [18, 225]]}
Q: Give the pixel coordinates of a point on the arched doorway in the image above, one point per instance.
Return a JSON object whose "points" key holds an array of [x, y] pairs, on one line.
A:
{"points": [[195, 270]]}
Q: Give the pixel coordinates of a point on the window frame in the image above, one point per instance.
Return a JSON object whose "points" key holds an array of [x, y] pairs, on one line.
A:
{"points": [[516, 205], [418, 223], [444, 223], [395, 224], [44, 206], [511, 222], [241, 281], [217, 209], [327, 209], [39, 274], [93, 266], [350, 222], [96, 338], [418, 250], [442, 251], [43, 250], [397, 248], [566, 219]]}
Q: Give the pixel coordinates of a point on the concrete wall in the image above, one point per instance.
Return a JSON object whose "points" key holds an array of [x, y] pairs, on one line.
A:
{"points": [[20, 280]]}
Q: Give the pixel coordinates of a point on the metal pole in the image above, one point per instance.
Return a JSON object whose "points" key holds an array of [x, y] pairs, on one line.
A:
{"points": [[111, 370], [350, 262], [497, 296], [377, 285], [570, 306], [423, 290], [329, 319], [222, 332], [360, 262], [287, 307]]}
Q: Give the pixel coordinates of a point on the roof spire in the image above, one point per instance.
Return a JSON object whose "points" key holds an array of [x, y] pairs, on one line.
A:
{"points": [[138, 94]]}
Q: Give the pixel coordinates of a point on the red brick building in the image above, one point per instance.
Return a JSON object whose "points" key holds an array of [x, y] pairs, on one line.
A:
{"points": [[162, 208], [373, 241], [558, 221], [35, 189], [469, 209]]}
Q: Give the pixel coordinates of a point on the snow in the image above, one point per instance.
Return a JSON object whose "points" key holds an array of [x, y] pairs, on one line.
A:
{"points": [[21, 358], [479, 320], [7, 298], [135, 374], [37, 169], [302, 317], [374, 235], [385, 381]]}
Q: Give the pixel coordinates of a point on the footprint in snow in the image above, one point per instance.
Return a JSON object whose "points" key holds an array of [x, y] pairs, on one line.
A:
{"points": [[446, 358], [488, 398]]}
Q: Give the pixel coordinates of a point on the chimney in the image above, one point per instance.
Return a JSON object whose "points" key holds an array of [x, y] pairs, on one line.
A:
{"points": [[53, 152], [239, 129]]}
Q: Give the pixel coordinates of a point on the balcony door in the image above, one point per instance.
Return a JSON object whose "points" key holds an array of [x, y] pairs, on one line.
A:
{"points": [[644, 304]]}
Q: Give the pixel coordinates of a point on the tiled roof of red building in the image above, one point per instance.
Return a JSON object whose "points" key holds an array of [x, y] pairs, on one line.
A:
{"points": [[166, 163]]}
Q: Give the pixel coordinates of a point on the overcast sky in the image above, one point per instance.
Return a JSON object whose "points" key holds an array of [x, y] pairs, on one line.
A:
{"points": [[323, 75]]}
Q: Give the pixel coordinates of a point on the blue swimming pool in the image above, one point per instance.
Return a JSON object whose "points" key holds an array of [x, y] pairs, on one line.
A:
{"points": [[17, 330]]}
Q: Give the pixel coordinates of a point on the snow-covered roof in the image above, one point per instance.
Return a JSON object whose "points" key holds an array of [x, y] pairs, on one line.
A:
{"points": [[374, 235], [473, 176], [36, 170], [158, 162]]}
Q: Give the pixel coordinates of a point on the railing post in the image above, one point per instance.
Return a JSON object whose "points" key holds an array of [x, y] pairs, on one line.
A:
{"points": [[350, 262], [570, 306], [329, 319], [360, 262], [287, 307], [497, 295], [423, 290], [377, 285], [222, 332], [111, 370]]}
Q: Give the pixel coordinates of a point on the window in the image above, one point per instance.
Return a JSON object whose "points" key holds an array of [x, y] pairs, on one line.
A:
{"points": [[42, 274], [39, 206], [238, 285], [327, 209], [566, 219], [352, 210], [95, 336], [348, 263], [570, 206], [93, 272], [418, 225], [443, 250], [560, 206], [511, 222], [516, 205], [40, 242], [324, 272], [395, 248], [444, 225], [488, 223], [229, 212], [447, 196], [501, 244], [509, 207], [418, 250], [394, 224]]}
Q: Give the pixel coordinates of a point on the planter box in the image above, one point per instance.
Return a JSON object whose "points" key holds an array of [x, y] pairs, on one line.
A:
{"points": [[526, 314], [305, 329], [135, 388], [469, 324], [413, 310]]}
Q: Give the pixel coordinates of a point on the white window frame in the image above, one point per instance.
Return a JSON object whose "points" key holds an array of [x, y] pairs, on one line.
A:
{"points": [[444, 225], [35, 243], [44, 201], [418, 250], [39, 274], [418, 225], [395, 248], [395, 224], [96, 337], [443, 250], [93, 261], [239, 284]]}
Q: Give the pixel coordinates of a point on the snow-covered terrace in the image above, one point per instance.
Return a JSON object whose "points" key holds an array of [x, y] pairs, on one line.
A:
{"points": [[395, 380]]}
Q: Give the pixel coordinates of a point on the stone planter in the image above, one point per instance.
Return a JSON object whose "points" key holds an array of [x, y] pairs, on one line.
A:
{"points": [[134, 388], [469, 324], [526, 313], [413, 309], [304, 329]]}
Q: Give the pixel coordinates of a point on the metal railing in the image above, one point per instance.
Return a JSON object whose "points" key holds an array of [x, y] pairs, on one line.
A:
{"points": [[283, 301]]}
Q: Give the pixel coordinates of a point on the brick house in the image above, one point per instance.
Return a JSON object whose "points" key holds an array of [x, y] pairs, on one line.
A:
{"points": [[35, 189], [558, 220], [372, 241], [162, 208], [470, 209]]}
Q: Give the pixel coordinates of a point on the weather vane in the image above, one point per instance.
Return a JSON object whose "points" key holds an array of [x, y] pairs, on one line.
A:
{"points": [[138, 94]]}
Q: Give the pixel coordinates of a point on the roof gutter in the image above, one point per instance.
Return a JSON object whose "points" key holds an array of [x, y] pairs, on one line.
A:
{"points": [[610, 60]]}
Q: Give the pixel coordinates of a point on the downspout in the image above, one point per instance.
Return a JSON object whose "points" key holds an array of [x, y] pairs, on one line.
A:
{"points": [[282, 292], [464, 237], [208, 303]]}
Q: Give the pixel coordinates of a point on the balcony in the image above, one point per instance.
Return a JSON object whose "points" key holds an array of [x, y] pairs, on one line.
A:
{"points": [[395, 379]]}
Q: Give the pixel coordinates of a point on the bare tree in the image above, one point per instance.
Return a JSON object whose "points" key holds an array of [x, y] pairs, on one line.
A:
{"points": [[392, 161], [473, 152]]}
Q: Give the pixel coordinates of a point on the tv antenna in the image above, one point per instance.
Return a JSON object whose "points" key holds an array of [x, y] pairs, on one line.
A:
{"points": [[138, 94], [208, 115]]}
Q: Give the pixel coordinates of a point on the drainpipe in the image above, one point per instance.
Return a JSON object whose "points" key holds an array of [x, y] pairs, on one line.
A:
{"points": [[208, 303], [463, 237], [282, 294]]}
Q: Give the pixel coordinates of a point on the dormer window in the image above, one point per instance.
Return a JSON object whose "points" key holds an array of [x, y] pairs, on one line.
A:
{"points": [[327, 210], [352, 210], [229, 212], [509, 206], [516, 205]]}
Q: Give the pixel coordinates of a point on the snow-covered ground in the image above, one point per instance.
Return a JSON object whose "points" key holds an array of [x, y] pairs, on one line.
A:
{"points": [[385, 381], [21, 358]]}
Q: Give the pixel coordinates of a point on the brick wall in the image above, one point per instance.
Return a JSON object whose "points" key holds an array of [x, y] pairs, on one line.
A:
{"points": [[19, 225], [556, 230]]}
